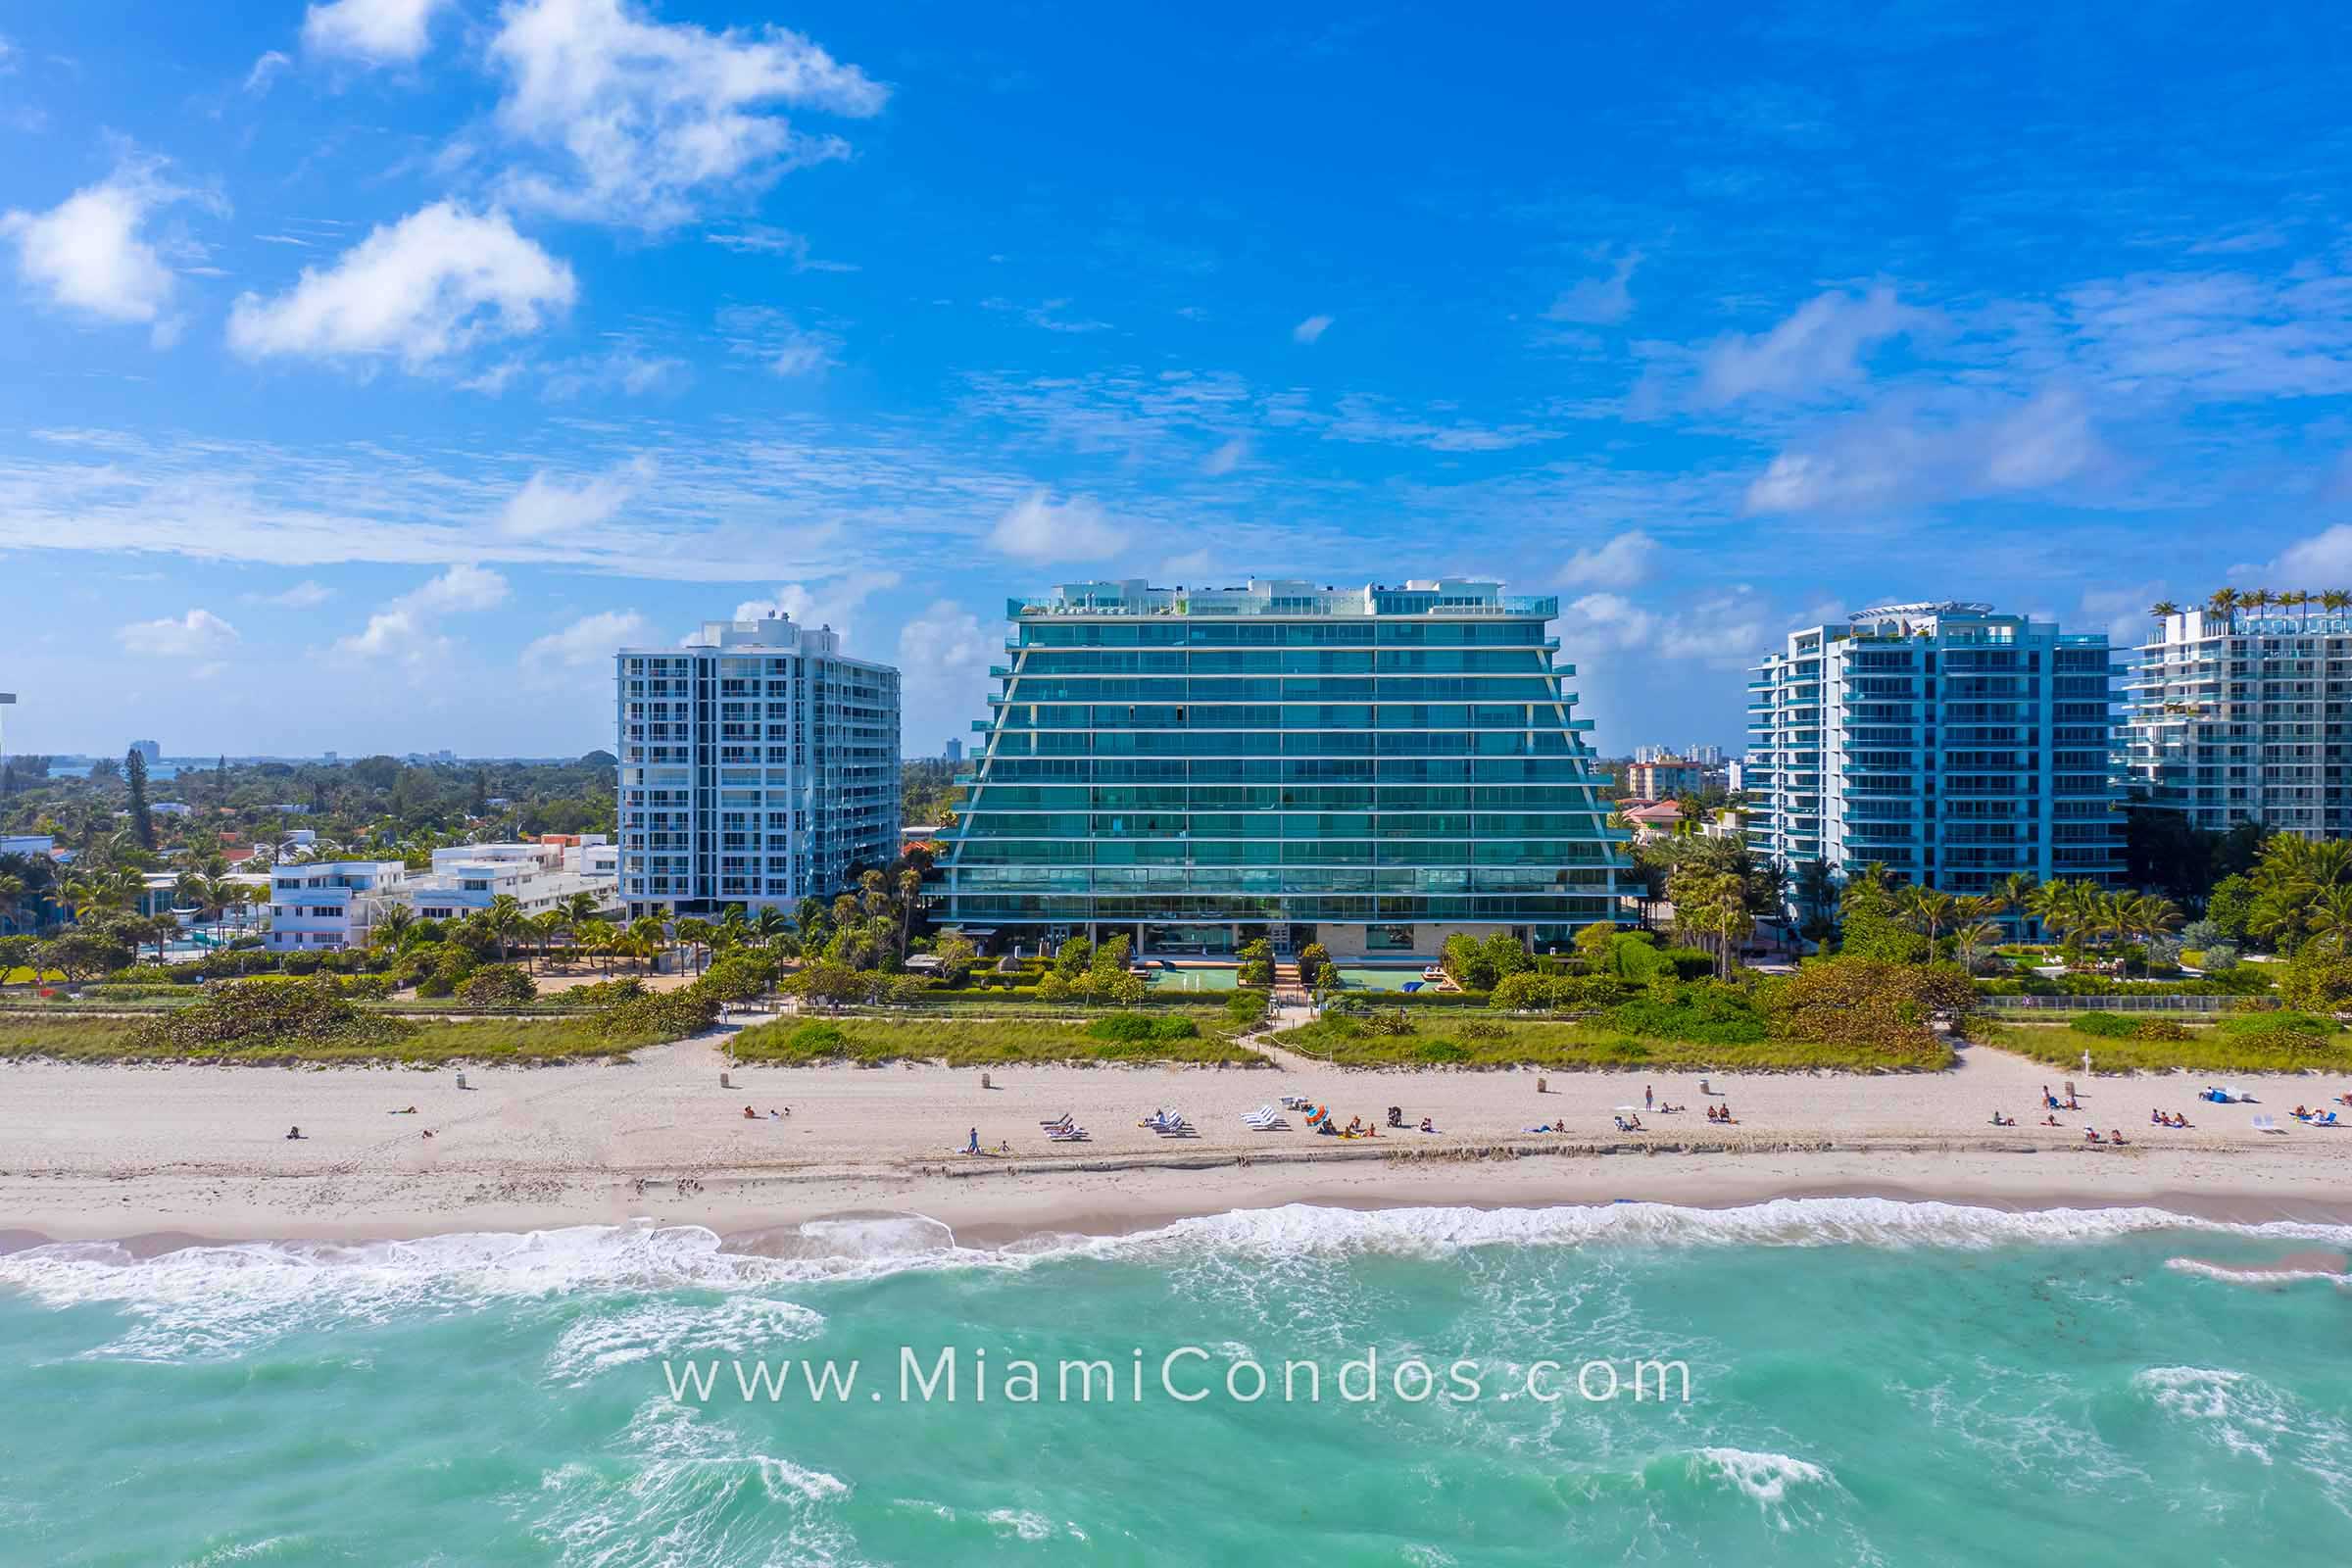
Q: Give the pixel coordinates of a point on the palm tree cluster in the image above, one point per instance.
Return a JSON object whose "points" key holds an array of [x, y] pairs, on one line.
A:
{"points": [[1711, 913], [2303, 893], [2083, 910], [2226, 603]]}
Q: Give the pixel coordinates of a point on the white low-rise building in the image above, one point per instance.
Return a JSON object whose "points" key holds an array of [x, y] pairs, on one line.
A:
{"points": [[330, 904], [466, 877]]}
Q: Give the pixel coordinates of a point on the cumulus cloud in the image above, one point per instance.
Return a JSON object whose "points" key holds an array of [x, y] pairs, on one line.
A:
{"points": [[1903, 457], [2324, 559], [642, 121], [377, 32], [1818, 347], [90, 254], [943, 655], [1621, 563], [1311, 329], [198, 634], [546, 504], [1724, 631], [405, 627], [422, 289], [1040, 529], [1598, 301], [588, 642], [826, 604]]}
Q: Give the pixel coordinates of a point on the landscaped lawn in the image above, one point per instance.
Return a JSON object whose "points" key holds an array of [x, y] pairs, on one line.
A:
{"points": [[978, 1043], [2253, 1042], [1474, 1042], [486, 1042]]}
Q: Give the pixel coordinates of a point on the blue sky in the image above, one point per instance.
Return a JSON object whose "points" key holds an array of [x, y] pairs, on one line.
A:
{"points": [[369, 370]]}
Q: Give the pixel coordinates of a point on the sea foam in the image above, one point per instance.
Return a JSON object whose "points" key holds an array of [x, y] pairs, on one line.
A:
{"points": [[218, 1301]]}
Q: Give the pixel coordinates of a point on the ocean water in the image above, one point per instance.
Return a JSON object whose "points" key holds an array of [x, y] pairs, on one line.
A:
{"points": [[1869, 1382]]}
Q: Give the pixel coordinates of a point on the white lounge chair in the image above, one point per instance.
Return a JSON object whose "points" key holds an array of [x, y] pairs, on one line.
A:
{"points": [[1067, 1135], [2269, 1124]]}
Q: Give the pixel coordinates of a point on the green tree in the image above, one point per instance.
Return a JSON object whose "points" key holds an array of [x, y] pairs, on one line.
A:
{"points": [[135, 774]]}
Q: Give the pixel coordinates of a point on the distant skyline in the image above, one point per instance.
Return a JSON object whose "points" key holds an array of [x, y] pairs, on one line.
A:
{"points": [[372, 369]]}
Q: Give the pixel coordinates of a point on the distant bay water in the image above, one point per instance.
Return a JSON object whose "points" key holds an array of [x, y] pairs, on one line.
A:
{"points": [[1869, 1382]]}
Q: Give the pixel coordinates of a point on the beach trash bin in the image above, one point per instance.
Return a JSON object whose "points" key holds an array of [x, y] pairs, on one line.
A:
{"points": [[723, 1081], [984, 1082], [1543, 1086]]}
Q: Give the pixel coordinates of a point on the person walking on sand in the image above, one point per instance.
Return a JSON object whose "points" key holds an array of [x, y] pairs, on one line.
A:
{"points": [[971, 1142], [1650, 1102]]}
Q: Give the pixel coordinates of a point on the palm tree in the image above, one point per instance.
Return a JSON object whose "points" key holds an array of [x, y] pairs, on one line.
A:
{"points": [[2223, 603], [647, 937], [1925, 909], [504, 918], [2162, 608], [392, 927], [2330, 918], [1972, 938], [1872, 882], [2335, 601], [547, 925], [696, 934], [735, 931]]}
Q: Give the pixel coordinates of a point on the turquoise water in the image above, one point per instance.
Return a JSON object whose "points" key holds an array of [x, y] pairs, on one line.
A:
{"points": [[1869, 1382]]}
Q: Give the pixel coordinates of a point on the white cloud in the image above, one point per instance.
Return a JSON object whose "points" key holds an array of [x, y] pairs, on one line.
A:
{"points": [[421, 290], [1310, 329], [1226, 458], [943, 655], [265, 70], [827, 604], [376, 31], [646, 120], [89, 252], [759, 239], [1902, 457], [304, 595], [1040, 529], [546, 505], [404, 629], [588, 642], [1598, 301], [199, 634], [1622, 561], [1817, 348], [1724, 631], [2324, 559]]}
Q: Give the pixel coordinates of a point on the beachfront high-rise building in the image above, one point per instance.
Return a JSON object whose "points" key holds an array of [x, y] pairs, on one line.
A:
{"points": [[757, 766], [2245, 716], [1374, 768], [1954, 744]]}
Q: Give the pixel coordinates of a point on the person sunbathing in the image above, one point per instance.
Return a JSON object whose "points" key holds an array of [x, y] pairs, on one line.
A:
{"points": [[2116, 1137], [2092, 1134], [1424, 1126], [294, 1132], [1999, 1121], [749, 1115], [1561, 1126], [2049, 1121]]}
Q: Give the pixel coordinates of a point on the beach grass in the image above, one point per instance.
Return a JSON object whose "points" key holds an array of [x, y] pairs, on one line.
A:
{"points": [[483, 1042], [1572, 1046], [979, 1042], [2211, 1048]]}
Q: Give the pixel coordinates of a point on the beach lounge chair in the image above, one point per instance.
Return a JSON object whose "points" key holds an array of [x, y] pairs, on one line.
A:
{"points": [[2268, 1124], [1062, 1120], [1067, 1135]]}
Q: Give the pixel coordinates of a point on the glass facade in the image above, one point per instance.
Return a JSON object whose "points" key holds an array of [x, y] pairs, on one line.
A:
{"points": [[759, 767], [1385, 766], [2244, 717], [1954, 744]]}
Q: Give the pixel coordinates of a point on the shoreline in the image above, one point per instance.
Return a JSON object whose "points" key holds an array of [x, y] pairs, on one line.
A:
{"points": [[751, 1211], [198, 1153]]}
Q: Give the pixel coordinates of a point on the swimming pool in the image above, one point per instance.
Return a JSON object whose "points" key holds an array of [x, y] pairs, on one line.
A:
{"points": [[1195, 979]]}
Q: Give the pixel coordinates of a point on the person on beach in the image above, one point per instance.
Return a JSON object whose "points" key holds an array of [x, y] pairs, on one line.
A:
{"points": [[749, 1115], [1424, 1126], [2116, 1136], [1649, 1101], [294, 1132], [971, 1142]]}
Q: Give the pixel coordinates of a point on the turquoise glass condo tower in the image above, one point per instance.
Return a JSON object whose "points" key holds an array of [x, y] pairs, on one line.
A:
{"points": [[1374, 768]]}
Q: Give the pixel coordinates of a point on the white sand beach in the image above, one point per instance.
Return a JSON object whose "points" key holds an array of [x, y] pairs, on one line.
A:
{"points": [[121, 1152]]}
